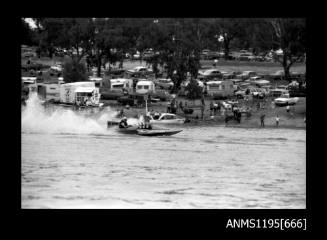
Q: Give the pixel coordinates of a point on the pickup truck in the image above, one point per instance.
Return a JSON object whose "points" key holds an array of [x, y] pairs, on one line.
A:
{"points": [[285, 100]]}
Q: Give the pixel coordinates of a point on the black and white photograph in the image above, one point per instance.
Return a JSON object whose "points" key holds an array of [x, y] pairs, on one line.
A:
{"points": [[163, 113]]}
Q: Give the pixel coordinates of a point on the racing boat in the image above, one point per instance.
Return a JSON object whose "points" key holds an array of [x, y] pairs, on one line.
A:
{"points": [[157, 132]]}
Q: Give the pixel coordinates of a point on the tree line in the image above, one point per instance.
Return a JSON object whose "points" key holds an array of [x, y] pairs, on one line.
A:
{"points": [[177, 42]]}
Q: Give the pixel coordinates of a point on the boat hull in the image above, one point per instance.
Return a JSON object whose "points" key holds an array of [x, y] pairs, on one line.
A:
{"points": [[157, 132], [128, 130]]}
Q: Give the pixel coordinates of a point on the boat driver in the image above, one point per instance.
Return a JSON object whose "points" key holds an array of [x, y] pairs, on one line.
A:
{"points": [[123, 123], [147, 122]]}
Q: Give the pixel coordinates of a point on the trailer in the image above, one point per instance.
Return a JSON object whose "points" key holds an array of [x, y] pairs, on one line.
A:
{"points": [[49, 91], [123, 84], [79, 93], [30, 82], [220, 88], [145, 87]]}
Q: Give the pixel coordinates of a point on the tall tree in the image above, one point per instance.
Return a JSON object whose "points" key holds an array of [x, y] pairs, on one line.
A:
{"points": [[74, 71], [229, 29], [281, 33], [178, 43], [289, 35], [72, 34]]}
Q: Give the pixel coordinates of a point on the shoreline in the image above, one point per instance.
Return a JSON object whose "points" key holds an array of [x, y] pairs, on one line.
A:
{"points": [[244, 124]]}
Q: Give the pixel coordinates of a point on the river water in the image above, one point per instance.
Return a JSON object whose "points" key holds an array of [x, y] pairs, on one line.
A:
{"points": [[70, 160]]}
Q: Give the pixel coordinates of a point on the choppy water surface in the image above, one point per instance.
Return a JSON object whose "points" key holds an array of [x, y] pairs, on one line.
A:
{"points": [[73, 161]]}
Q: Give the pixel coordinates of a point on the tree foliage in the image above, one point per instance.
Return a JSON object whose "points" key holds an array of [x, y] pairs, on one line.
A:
{"points": [[229, 29], [281, 33], [74, 71], [194, 91], [176, 42], [71, 34]]}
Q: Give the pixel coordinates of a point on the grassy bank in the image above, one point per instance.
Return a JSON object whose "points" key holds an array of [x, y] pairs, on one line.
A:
{"points": [[259, 67], [222, 65], [292, 119]]}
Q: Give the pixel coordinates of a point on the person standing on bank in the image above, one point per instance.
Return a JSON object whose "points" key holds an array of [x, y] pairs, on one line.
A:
{"points": [[202, 111], [211, 108], [262, 118], [181, 106], [277, 120]]}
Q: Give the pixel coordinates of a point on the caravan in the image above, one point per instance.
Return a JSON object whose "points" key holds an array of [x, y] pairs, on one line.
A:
{"points": [[122, 84], [220, 88], [49, 91], [30, 82], [80, 93], [145, 86]]}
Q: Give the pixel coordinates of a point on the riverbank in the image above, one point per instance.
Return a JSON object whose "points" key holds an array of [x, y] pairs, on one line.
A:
{"points": [[293, 119]]}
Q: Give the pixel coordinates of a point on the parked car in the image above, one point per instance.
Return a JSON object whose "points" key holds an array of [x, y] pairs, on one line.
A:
{"points": [[240, 93], [243, 51], [221, 54], [213, 55], [204, 53], [246, 74], [110, 94], [137, 55], [139, 69], [116, 72], [162, 95], [226, 105], [148, 54], [34, 66], [126, 100], [285, 100], [255, 92], [260, 57], [167, 118], [57, 67], [254, 78], [258, 92], [246, 57], [164, 83], [28, 54], [228, 75], [210, 74], [278, 75]]}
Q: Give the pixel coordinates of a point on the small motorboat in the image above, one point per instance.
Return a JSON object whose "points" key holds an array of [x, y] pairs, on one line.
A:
{"points": [[157, 132]]}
